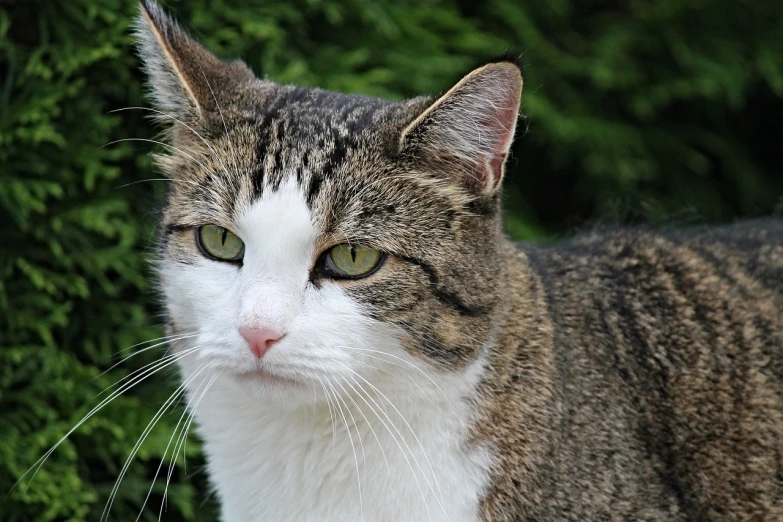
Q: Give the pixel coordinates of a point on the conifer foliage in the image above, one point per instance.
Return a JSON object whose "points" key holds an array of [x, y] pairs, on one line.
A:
{"points": [[635, 109]]}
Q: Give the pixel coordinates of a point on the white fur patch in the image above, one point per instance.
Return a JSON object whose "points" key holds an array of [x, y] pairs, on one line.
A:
{"points": [[386, 442]]}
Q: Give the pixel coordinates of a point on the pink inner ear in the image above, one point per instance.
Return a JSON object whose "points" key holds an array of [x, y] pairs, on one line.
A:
{"points": [[502, 128]]}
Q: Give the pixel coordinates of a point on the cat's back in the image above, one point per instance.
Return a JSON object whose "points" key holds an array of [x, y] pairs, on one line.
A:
{"points": [[718, 277], [753, 248], [669, 354]]}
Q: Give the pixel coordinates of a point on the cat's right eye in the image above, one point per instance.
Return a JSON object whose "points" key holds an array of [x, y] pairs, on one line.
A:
{"points": [[219, 243]]}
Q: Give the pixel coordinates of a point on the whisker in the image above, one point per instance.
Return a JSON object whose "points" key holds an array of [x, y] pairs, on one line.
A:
{"points": [[329, 404], [159, 339], [139, 370], [165, 451], [398, 413], [356, 425], [410, 377], [439, 493], [354, 348], [167, 146], [163, 409], [225, 128], [402, 450], [168, 340], [383, 453], [128, 385], [353, 447], [156, 111], [154, 179], [183, 438]]}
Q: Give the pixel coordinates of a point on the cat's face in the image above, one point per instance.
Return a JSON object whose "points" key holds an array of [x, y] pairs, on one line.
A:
{"points": [[311, 237]]}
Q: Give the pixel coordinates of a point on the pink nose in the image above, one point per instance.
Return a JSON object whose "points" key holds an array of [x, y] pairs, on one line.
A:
{"points": [[260, 339]]}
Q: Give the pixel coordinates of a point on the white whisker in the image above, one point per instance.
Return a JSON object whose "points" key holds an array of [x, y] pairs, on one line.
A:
{"points": [[404, 454], [171, 340], [128, 385], [353, 447], [166, 145], [163, 457], [380, 445], [329, 404], [225, 128], [415, 437], [212, 150], [163, 409], [367, 350], [182, 440]]}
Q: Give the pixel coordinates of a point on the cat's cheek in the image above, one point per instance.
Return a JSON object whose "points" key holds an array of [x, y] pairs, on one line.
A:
{"points": [[335, 336], [201, 297]]}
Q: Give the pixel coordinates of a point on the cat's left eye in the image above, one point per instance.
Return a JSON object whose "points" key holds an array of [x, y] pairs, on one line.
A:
{"points": [[219, 243], [352, 261]]}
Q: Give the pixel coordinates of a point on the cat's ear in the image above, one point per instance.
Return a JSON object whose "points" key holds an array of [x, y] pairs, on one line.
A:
{"points": [[468, 131], [185, 79]]}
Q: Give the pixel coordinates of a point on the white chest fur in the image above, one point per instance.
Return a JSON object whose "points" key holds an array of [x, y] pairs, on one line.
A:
{"points": [[271, 464]]}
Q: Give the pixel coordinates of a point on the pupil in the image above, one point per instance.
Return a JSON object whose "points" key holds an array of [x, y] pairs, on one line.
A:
{"points": [[223, 238], [353, 253]]}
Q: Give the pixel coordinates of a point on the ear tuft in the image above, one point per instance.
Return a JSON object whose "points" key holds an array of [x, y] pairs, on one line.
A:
{"points": [[184, 77], [510, 56], [469, 130]]}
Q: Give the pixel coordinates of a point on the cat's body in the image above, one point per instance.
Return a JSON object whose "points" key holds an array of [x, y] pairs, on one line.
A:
{"points": [[364, 343], [660, 358]]}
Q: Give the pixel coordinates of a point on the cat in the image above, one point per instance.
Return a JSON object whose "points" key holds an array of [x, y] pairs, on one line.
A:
{"points": [[360, 341]]}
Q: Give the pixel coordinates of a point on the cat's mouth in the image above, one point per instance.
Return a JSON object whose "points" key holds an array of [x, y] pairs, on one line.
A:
{"points": [[264, 376]]}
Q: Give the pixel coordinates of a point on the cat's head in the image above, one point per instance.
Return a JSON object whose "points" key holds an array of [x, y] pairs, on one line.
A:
{"points": [[310, 236]]}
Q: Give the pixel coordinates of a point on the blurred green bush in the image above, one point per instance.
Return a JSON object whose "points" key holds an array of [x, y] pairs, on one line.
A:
{"points": [[653, 110]]}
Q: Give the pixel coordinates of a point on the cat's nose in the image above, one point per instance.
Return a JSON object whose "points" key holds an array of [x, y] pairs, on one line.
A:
{"points": [[260, 339]]}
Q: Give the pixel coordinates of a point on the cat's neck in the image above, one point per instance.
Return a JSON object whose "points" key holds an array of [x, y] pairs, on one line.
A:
{"points": [[408, 441], [517, 395]]}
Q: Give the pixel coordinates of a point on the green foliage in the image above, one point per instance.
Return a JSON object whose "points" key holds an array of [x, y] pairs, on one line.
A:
{"points": [[635, 109]]}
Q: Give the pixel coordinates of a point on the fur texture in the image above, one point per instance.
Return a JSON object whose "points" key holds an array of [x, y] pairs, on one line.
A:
{"points": [[627, 375]]}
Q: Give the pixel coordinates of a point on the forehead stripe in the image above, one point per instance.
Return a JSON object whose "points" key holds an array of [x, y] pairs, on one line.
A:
{"points": [[314, 188]]}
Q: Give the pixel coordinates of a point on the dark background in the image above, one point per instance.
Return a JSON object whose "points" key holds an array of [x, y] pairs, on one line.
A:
{"points": [[662, 111]]}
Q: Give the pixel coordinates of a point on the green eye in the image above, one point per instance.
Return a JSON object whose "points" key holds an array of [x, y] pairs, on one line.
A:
{"points": [[353, 261], [219, 243]]}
